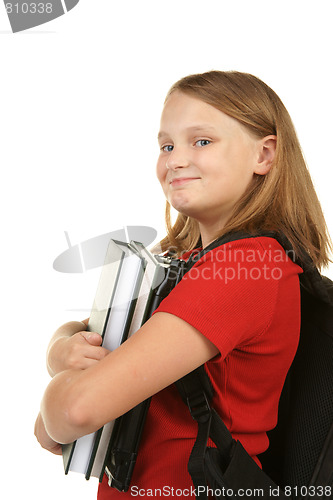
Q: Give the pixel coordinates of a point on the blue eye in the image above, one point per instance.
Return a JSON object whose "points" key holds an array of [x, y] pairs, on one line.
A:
{"points": [[203, 142], [168, 148]]}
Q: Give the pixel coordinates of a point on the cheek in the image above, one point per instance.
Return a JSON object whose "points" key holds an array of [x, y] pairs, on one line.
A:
{"points": [[161, 171]]}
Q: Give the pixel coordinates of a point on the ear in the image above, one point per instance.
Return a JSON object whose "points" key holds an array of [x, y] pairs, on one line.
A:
{"points": [[266, 154]]}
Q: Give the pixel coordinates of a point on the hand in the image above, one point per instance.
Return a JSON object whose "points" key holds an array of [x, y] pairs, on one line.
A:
{"points": [[44, 439], [79, 351]]}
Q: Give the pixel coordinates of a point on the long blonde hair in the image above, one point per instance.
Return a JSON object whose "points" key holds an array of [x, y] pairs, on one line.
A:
{"points": [[284, 199]]}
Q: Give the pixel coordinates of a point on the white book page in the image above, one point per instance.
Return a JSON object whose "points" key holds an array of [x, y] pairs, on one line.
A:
{"points": [[82, 453], [102, 449], [124, 293]]}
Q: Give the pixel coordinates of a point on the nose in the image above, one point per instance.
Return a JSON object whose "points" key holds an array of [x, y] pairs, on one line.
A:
{"points": [[177, 159]]}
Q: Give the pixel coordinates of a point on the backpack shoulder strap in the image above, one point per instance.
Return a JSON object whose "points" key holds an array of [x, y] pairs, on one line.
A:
{"points": [[197, 392]]}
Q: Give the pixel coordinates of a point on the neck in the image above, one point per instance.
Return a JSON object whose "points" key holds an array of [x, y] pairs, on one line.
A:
{"points": [[208, 232]]}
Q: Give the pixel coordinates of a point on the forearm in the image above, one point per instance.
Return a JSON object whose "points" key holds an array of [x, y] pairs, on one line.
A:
{"points": [[78, 402], [58, 408], [62, 333], [67, 404], [44, 439]]}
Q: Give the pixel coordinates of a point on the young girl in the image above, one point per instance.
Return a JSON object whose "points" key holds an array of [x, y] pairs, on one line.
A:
{"points": [[229, 160]]}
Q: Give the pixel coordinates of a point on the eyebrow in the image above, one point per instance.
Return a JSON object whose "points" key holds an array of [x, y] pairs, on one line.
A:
{"points": [[195, 128]]}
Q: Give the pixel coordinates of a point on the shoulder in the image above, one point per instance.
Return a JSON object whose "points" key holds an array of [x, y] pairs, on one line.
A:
{"points": [[246, 249]]}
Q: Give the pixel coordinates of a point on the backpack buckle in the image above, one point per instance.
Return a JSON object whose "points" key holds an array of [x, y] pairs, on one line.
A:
{"points": [[199, 407]]}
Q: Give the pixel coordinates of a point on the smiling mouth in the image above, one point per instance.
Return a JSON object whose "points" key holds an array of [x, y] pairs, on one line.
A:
{"points": [[182, 180]]}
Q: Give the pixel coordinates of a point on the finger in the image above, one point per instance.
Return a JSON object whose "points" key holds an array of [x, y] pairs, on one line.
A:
{"points": [[88, 362], [92, 338], [97, 353], [56, 450]]}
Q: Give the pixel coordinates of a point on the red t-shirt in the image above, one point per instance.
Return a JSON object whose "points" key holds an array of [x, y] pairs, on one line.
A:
{"points": [[244, 297]]}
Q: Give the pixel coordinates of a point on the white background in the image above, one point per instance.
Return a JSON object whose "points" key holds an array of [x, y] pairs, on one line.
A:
{"points": [[80, 99]]}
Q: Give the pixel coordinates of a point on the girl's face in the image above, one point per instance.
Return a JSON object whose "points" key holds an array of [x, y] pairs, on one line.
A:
{"points": [[207, 159]]}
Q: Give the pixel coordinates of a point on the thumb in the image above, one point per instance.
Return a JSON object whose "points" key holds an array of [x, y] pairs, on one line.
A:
{"points": [[92, 337]]}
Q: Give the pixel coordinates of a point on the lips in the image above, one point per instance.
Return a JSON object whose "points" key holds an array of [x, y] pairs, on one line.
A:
{"points": [[179, 181]]}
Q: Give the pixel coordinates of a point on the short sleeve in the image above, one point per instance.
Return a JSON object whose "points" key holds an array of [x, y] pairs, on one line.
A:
{"points": [[230, 294]]}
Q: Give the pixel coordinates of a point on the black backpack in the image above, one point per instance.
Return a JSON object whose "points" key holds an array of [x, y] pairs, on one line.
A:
{"points": [[299, 460]]}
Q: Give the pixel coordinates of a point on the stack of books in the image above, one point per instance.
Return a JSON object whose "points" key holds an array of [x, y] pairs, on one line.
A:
{"points": [[132, 284]]}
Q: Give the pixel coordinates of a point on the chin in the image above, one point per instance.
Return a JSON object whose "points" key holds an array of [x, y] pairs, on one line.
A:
{"points": [[180, 203], [180, 207], [186, 210]]}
